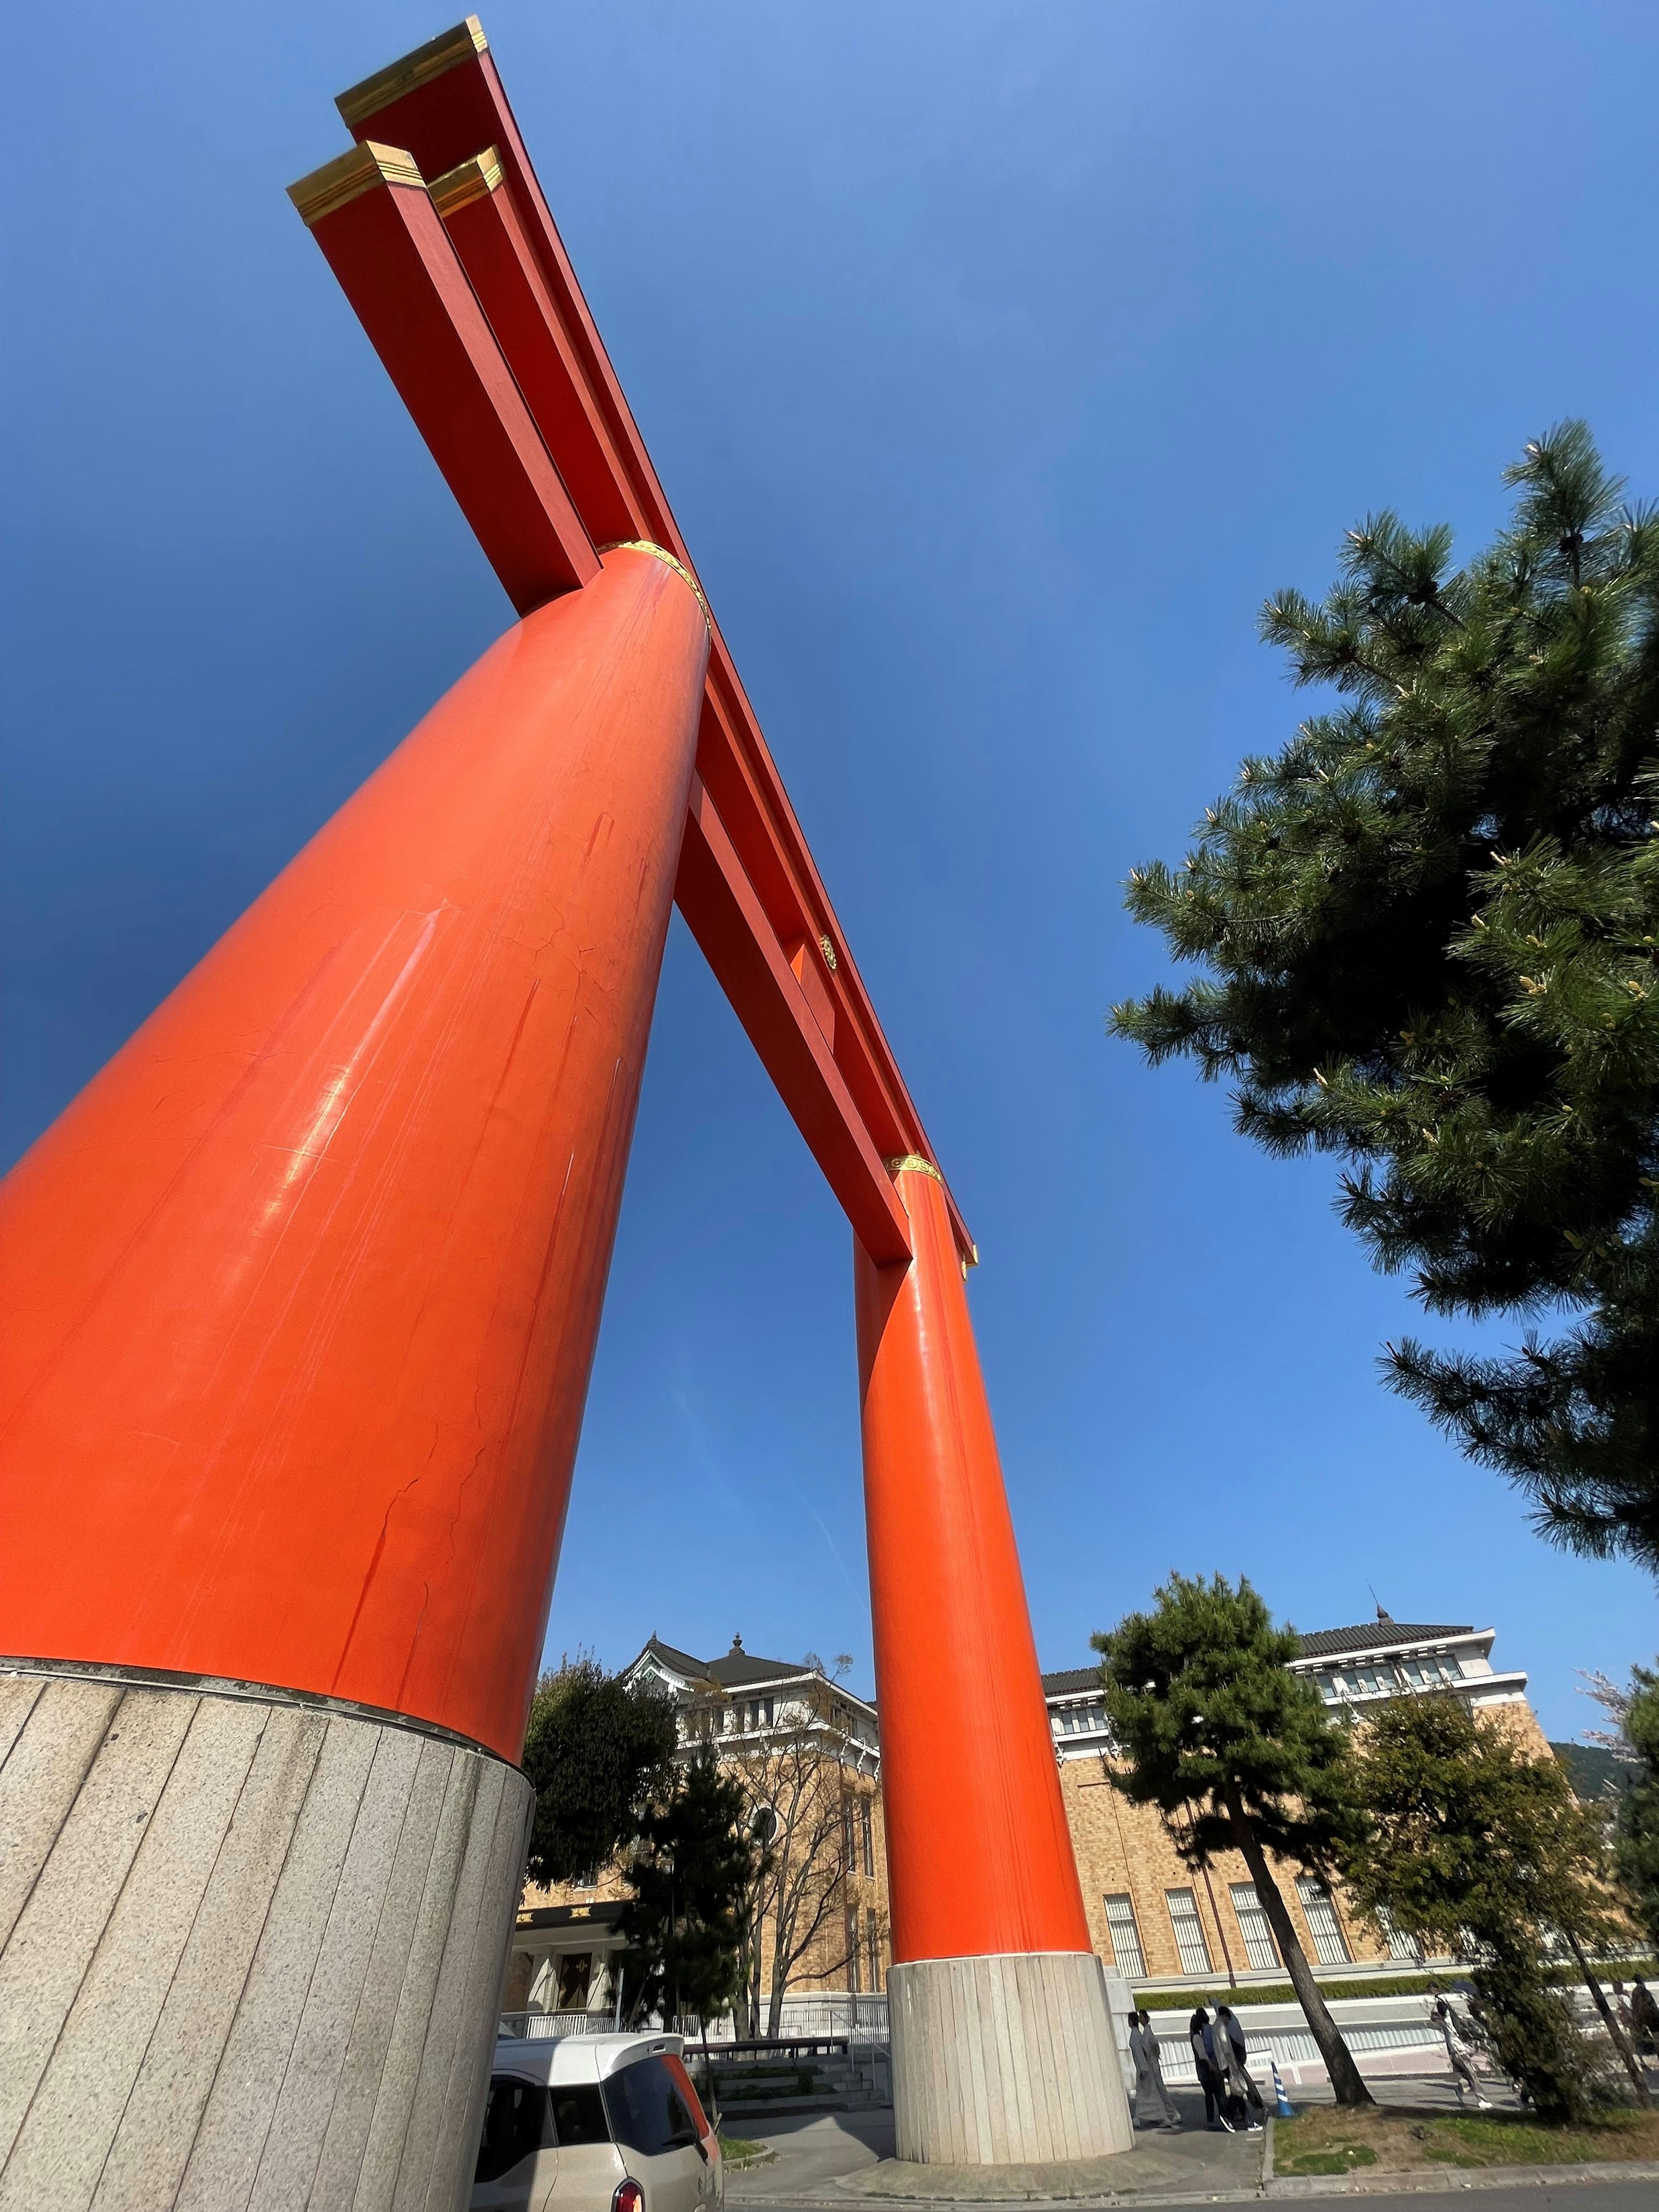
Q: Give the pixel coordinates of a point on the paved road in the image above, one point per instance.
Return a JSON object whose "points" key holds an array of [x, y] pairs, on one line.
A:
{"points": [[813, 2151], [1513, 2196], [1517, 2196]]}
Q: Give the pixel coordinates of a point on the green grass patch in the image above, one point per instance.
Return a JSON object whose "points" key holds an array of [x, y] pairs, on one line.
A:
{"points": [[741, 2149], [1343, 2158], [1325, 2139]]}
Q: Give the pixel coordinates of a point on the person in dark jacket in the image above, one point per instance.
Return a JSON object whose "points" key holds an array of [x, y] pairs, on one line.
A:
{"points": [[1202, 2036], [1232, 2048]]}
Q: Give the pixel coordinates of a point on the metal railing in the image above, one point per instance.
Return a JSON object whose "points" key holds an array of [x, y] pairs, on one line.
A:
{"points": [[536, 2026], [860, 2019]]}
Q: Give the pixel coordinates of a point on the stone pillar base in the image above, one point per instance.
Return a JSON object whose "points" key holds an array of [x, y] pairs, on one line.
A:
{"points": [[1007, 2060], [250, 1946]]}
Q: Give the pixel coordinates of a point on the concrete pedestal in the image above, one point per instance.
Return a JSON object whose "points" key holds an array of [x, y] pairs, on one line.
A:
{"points": [[250, 1946], [1004, 2060]]}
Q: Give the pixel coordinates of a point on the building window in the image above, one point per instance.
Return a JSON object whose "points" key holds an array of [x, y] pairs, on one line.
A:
{"points": [[1330, 1945], [1080, 1720], [575, 1972], [1130, 1959], [849, 1838], [853, 1951], [1400, 1946], [1260, 1947], [873, 1939], [867, 1832], [1188, 1932]]}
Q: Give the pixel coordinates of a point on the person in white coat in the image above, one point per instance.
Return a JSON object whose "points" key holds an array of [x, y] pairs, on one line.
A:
{"points": [[1149, 2070], [1461, 2051]]}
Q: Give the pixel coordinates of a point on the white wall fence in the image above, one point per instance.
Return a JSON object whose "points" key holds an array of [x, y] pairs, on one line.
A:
{"points": [[1387, 2035], [860, 2019]]}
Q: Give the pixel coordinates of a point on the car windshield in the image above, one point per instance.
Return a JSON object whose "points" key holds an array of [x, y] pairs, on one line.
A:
{"points": [[647, 2112]]}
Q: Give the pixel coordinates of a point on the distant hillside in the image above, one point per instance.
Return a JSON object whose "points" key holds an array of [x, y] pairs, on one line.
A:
{"points": [[1591, 1769]]}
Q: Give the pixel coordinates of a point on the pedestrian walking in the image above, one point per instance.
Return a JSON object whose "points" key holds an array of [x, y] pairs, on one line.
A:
{"points": [[1149, 2070], [1644, 2017], [1201, 2035], [1234, 2051], [1461, 2051]]}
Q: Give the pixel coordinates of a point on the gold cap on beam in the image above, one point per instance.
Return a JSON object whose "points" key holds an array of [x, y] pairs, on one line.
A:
{"points": [[468, 181], [438, 55], [348, 176]]}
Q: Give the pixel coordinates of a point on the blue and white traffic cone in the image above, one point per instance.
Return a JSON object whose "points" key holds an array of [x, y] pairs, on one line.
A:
{"points": [[1286, 2110]]}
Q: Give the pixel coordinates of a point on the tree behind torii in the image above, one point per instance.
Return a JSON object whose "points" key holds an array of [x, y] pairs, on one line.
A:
{"points": [[1430, 925], [1237, 1754]]}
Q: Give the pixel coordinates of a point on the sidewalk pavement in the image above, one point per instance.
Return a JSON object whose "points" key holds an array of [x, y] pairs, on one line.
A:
{"points": [[836, 2157], [842, 2160]]}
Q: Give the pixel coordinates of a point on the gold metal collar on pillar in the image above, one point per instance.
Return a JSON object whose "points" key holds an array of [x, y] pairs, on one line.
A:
{"points": [[669, 560], [912, 1163]]}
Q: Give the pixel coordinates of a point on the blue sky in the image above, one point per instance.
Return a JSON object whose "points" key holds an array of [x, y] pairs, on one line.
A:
{"points": [[998, 359]]}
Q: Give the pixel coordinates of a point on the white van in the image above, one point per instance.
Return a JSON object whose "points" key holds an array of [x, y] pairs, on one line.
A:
{"points": [[596, 2124]]}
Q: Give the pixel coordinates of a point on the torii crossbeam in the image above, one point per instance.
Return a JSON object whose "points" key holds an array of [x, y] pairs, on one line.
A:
{"points": [[302, 1293]]}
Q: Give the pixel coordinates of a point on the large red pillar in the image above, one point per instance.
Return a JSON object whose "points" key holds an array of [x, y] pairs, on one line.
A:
{"points": [[301, 1297], [1002, 2049]]}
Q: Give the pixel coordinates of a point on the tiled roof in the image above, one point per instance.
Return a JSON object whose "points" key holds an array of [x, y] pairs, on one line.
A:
{"points": [[1071, 1679], [738, 1670], [1377, 1636], [681, 1661]]}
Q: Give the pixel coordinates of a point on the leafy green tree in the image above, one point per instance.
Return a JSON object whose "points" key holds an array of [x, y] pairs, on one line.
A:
{"points": [[598, 1751], [1473, 1847], [1236, 1754], [1638, 1809], [1429, 925], [690, 1871]]}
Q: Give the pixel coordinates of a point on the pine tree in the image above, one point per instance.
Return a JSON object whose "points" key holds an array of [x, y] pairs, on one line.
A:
{"points": [[598, 1752], [1474, 1847], [1430, 929], [690, 1873], [1638, 1806], [1237, 1754]]}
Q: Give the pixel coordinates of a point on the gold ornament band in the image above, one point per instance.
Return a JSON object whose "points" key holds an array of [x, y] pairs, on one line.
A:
{"points": [[467, 181], [912, 1163], [447, 51], [362, 169], [669, 560]]}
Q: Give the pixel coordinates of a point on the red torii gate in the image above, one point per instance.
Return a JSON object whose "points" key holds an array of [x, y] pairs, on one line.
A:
{"points": [[303, 1291]]}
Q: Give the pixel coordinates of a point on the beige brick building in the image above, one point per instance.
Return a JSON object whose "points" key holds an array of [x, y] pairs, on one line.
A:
{"points": [[805, 1750], [808, 1751], [1154, 1919]]}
